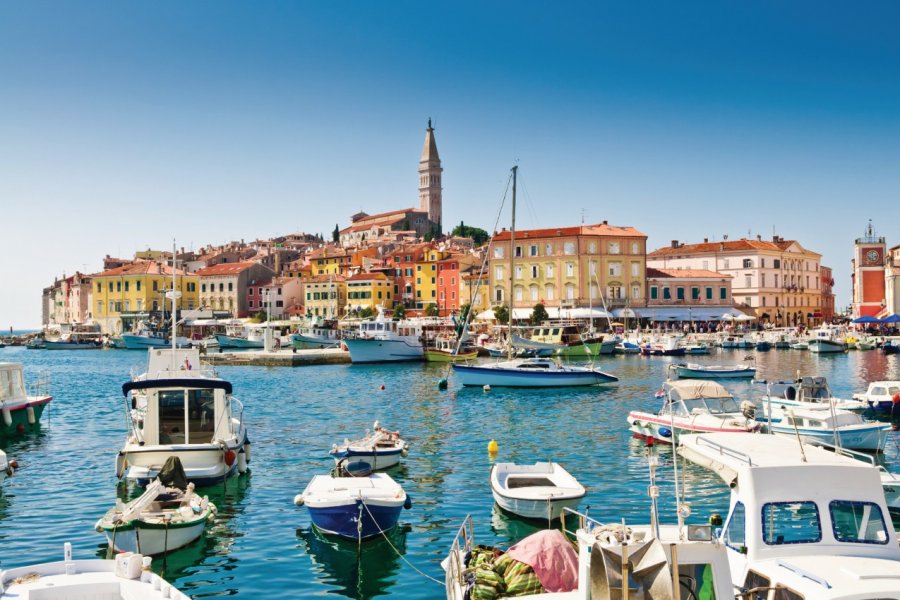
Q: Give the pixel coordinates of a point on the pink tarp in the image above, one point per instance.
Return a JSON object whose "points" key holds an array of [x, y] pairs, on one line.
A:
{"points": [[552, 557]]}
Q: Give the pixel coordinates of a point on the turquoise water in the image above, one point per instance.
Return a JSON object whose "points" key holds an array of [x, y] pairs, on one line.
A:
{"points": [[261, 544]]}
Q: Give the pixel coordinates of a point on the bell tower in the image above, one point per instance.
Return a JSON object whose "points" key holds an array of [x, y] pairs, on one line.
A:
{"points": [[430, 178], [868, 274]]}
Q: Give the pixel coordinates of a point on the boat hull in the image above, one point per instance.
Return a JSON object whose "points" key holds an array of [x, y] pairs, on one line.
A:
{"points": [[354, 521], [51, 345], [379, 459], [143, 342], [691, 373], [470, 375], [227, 341], [662, 429], [825, 346], [19, 419], [443, 356], [373, 350], [301, 341], [152, 539], [535, 509], [204, 464], [869, 439]]}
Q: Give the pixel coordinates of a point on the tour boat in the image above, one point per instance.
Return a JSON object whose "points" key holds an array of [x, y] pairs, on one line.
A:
{"points": [[538, 491], [380, 449], [21, 411], [564, 340], [530, 372], [182, 408], [75, 341], [693, 406], [7, 466], [881, 396], [241, 337], [160, 520], [697, 371], [356, 508], [127, 577], [803, 521], [316, 334]]}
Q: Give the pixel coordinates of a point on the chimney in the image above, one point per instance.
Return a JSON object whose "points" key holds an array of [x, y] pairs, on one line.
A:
{"points": [[758, 237], [605, 222], [674, 243], [705, 240]]}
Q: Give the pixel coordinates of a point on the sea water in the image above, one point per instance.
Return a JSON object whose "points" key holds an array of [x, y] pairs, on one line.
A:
{"points": [[261, 545]]}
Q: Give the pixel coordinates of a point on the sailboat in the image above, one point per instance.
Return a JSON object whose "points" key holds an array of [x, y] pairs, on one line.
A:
{"points": [[526, 372]]}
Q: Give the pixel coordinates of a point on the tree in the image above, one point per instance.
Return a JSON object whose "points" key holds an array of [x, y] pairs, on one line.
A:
{"points": [[336, 234], [431, 310], [260, 317], [539, 314], [479, 236], [501, 313], [464, 312], [399, 312], [366, 313], [428, 236]]}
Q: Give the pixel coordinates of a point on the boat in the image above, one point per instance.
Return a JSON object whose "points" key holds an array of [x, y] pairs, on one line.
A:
{"points": [[627, 347], [800, 345], [445, 350], [7, 467], [380, 449], [666, 345], [21, 408], [693, 406], [698, 371], [356, 508], [241, 337], [128, 577], [36, 343], [146, 337], [161, 519], [881, 397], [890, 347], [75, 341], [564, 340], [538, 491], [530, 372], [826, 339], [763, 346], [696, 348], [865, 344], [823, 424], [808, 392], [648, 561], [802, 520], [317, 333], [382, 340], [180, 407]]}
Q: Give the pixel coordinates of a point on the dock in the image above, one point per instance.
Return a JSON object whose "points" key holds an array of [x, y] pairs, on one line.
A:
{"points": [[278, 358]]}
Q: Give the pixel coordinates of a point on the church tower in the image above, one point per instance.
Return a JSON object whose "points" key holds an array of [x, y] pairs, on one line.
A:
{"points": [[868, 274], [430, 178]]}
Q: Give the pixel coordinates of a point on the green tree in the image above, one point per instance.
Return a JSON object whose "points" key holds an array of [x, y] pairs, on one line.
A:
{"points": [[260, 317], [431, 310], [464, 312], [399, 312], [336, 234], [366, 313], [501, 313], [428, 236], [539, 314], [479, 236]]}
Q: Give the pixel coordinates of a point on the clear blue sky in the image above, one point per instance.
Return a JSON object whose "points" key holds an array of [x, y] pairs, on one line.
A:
{"points": [[124, 125]]}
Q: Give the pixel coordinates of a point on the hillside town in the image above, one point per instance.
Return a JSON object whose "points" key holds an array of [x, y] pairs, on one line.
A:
{"points": [[410, 259]]}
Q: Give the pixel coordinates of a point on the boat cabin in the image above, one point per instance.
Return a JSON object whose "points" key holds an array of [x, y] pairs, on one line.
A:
{"points": [[557, 334], [12, 382], [690, 397]]}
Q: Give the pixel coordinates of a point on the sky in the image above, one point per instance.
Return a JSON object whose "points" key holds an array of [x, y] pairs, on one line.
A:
{"points": [[124, 126]]}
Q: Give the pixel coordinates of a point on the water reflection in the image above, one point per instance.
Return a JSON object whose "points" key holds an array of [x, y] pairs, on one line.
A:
{"points": [[357, 571], [511, 528]]}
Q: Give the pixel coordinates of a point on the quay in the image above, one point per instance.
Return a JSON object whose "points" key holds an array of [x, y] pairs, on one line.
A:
{"points": [[278, 358]]}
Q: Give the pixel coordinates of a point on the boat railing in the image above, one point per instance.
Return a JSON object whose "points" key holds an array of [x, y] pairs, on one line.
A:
{"points": [[235, 403], [840, 450], [462, 546], [725, 450], [41, 387], [582, 520]]}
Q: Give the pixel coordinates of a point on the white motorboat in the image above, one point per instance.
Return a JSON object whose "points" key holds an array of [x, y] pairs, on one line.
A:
{"points": [[242, 336], [162, 519], [826, 339], [826, 424], [316, 333], [693, 406], [530, 372], [381, 448], [356, 508], [538, 491], [698, 371], [128, 577], [7, 466], [383, 340], [808, 392], [802, 520], [21, 407], [881, 396]]}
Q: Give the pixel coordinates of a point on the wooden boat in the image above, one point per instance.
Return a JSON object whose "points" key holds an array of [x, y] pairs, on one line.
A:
{"points": [[445, 350], [356, 508], [538, 491], [380, 449], [127, 577], [697, 371], [20, 410], [162, 519], [693, 406]]}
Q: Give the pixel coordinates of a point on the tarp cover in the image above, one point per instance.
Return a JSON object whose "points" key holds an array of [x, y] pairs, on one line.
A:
{"points": [[172, 474], [552, 557]]}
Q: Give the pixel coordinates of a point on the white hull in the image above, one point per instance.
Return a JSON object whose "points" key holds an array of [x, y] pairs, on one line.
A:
{"points": [[822, 346], [522, 373], [538, 491], [648, 425], [870, 438], [393, 350], [203, 465], [151, 542]]}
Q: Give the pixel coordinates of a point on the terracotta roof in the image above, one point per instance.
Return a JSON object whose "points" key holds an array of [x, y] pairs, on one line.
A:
{"points": [[685, 273], [225, 269], [724, 246], [368, 226], [325, 279], [367, 276], [600, 229], [328, 252], [141, 268]]}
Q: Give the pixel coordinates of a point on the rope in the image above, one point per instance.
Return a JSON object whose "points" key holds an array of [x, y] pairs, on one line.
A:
{"points": [[397, 552]]}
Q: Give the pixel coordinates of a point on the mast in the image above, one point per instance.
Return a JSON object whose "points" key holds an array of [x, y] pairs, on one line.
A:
{"points": [[174, 299], [512, 252]]}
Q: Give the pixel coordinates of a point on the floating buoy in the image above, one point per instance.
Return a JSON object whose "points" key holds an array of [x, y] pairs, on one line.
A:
{"points": [[13, 464], [229, 457], [493, 447], [298, 499], [442, 384], [407, 504], [382, 386], [486, 388], [30, 412]]}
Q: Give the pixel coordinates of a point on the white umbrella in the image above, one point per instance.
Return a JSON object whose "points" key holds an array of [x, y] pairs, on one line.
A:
{"points": [[487, 315]]}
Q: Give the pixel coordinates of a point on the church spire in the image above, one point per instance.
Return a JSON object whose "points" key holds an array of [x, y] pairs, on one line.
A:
{"points": [[430, 178]]}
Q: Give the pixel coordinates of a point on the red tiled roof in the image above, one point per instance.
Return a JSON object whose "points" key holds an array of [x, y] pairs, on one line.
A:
{"points": [[685, 273], [724, 246], [141, 268], [600, 229], [366, 276], [225, 269], [324, 279]]}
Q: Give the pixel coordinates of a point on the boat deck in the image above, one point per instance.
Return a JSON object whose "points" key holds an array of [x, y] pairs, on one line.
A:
{"points": [[735, 451]]}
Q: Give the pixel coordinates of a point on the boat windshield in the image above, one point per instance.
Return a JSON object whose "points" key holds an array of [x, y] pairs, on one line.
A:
{"points": [[12, 384], [713, 406]]}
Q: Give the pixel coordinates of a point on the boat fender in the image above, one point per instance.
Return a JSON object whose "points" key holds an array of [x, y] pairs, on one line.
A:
{"points": [[407, 504], [612, 534], [247, 449], [665, 432], [895, 398], [7, 416], [121, 465], [30, 412], [404, 452], [242, 461], [229, 456], [299, 500], [442, 383]]}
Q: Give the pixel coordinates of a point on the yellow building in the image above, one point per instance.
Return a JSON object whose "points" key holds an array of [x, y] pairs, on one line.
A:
{"points": [[326, 296], [134, 292], [426, 276], [569, 267], [329, 260], [474, 290], [369, 290]]}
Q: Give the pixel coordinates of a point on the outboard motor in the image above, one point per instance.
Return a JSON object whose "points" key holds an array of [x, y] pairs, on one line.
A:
{"points": [[748, 409]]}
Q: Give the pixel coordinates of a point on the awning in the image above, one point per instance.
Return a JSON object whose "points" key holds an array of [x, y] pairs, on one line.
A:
{"points": [[685, 313], [520, 314]]}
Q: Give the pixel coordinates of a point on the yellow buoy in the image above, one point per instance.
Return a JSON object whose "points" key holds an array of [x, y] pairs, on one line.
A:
{"points": [[493, 447]]}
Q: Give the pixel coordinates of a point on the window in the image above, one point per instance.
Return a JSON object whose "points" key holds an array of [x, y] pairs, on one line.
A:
{"points": [[635, 248], [791, 523], [748, 281], [667, 293], [570, 269], [570, 291], [534, 271], [735, 530], [231, 287], [533, 292], [99, 287], [498, 252], [592, 247], [613, 247], [518, 251], [709, 293], [858, 522], [705, 265], [519, 293], [755, 580], [498, 274], [569, 248], [595, 291], [498, 294], [592, 269], [679, 293], [615, 269], [723, 293], [155, 286], [548, 249], [203, 287], [126, 286], [635, 291], [99, 306], [549, 292], [532, 251], [748, 263], [654, 293], [548, 271], [614, 292], [695, 293], [777, 262], [518, 272], [635, 269], [762, 280]]}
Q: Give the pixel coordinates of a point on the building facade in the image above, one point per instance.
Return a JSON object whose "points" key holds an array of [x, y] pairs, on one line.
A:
{"points": [[224, 287], [868, 274], [687, 294], [326, 296], [368, 291]]}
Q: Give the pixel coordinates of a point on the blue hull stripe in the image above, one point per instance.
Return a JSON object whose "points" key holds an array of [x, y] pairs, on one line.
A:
{"points": [[344, 520]]}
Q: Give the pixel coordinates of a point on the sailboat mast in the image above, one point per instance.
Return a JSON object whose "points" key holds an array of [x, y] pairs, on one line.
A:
{"points": [[174, 300], [512, 253]]}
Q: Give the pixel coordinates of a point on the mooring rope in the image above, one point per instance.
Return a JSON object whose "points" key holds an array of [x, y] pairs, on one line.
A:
{"points": [[397, 552]]}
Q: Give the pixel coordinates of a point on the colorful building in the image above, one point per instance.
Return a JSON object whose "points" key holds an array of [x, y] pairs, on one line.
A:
{"points": [[225, 287], [687, 295], [368, 291], [404, 261], [326, 296], [329, 260], [426, 274]]}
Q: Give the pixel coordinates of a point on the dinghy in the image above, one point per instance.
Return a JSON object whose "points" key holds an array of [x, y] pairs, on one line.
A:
{"points": [[538, 491], [7, 467], [381, 449]]}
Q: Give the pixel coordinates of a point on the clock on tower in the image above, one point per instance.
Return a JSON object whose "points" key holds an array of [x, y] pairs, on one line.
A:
{"points": [[873, 256]]}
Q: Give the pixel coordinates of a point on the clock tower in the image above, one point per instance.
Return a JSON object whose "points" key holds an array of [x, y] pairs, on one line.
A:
{"points": [[868, 274]]}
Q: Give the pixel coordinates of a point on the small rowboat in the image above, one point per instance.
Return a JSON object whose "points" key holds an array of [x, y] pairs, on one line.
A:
{"points": [[7, 467], [696, 371], [381, 449], [538, 491]]}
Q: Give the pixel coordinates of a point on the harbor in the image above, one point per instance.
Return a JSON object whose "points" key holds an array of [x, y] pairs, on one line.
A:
{"points": [[259, 541]]}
